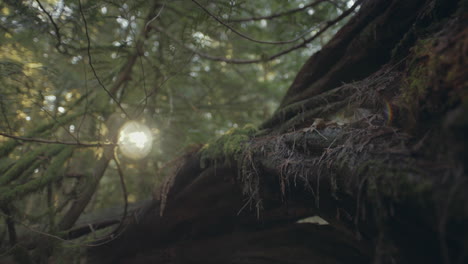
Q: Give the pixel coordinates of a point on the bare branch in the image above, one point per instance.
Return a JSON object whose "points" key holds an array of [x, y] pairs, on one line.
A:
{"points": [[280, 14], [154, 18], [246, 36], [45, 141], [3, 109], [10, 226], [56, 28], [92, 66], [271, 57]]}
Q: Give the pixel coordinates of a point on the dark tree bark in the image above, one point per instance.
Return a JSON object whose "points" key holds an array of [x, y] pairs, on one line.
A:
{"points": [[382, 158]]}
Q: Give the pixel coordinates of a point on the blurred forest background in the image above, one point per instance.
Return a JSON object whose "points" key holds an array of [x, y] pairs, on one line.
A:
{"points": [[73, 71]]}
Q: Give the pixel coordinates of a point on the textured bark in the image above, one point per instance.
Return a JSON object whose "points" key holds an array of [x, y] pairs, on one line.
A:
{"points": [[382, 159]]}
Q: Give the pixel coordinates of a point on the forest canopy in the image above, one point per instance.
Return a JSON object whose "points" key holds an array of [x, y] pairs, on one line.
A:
{"points": [[201, 131], [73, 72]]}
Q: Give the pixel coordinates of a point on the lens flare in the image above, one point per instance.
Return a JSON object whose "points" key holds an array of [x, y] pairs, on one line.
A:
{"points": [[135, 140], [389, 115]]}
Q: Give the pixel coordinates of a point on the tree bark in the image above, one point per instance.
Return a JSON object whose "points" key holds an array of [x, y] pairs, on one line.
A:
{"points": [[381, 158]]}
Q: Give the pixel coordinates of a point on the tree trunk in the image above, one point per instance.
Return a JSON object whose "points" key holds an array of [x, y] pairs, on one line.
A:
{"points": [[382, 158]]}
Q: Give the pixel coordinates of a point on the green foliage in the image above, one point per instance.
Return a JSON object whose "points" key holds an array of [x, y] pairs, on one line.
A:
{"points": [[228, 146], [8, 194], [41, 128], [64, 80], [43, 153]]}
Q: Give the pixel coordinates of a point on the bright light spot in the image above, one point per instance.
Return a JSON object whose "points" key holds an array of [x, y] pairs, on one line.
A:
{"points": [[50, 98], [350, 3], [310, 12], [129, 40], [204, 40], [76, 59], [72, 128], [28, 118], [135, 140], [208, 115], [104, 10], [123, 22], [317, 220], [263, 23], [61, 109]]}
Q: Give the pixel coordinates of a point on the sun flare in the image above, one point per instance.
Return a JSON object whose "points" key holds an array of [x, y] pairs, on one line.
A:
{"points": [[135, 140]]}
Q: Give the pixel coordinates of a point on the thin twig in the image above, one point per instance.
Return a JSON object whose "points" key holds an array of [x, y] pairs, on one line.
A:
{"points": [[98, 242], [55, 119], [155, 17], [124, 191], [78, 129], [269, 17], [56, 28], [244, 35], [272, 57], [91, 63]]}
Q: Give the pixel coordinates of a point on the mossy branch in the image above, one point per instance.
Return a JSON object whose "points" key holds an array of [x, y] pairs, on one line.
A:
{"points": [[7, 194], [228, 146], [25, 163]]}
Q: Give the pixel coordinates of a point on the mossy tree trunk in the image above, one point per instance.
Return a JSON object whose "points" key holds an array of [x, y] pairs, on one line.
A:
{"points": [[382, 158]]}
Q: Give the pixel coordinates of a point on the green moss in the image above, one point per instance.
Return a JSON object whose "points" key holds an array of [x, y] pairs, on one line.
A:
{"points": [[228, 146], [25, 163], [421, 67], [435, 79], [8, 193]]}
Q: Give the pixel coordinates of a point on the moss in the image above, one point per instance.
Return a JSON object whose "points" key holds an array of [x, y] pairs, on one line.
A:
{"points": [[416, 83], [435, 79], [25, 162], [228, 146], [8, 194]]}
